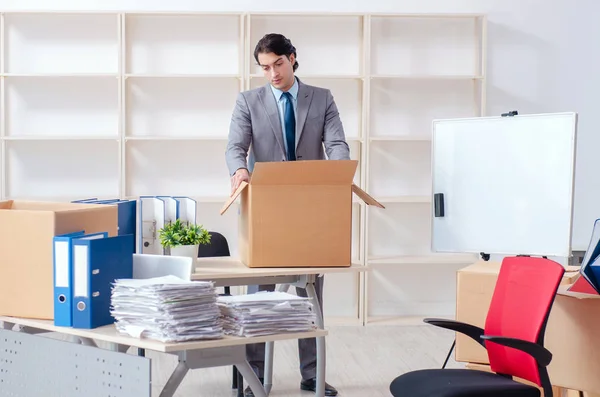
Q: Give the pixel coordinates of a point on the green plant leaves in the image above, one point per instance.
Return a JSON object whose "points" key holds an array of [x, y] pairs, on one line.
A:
{"points": [[177, 233]]}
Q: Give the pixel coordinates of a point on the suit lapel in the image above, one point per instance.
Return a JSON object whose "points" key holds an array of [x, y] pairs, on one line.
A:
{"points": [[268, 101], [305, 94]]}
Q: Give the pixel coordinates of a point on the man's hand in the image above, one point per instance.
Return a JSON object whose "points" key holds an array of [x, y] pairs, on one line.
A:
{"points": [[237, 178]]}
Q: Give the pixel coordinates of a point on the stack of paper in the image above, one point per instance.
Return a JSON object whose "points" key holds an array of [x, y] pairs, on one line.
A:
{"points": [[167, 309], [266, 313]]}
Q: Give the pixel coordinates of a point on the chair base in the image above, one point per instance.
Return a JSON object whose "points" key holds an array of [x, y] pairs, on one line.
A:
{"points": [[458, 383]]}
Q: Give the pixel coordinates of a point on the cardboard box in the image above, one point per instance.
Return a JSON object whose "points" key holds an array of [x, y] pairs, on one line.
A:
{"points": [[572, 338], [474, 289], [486, 368], [26, 250], [298, 213], [571, 333]]}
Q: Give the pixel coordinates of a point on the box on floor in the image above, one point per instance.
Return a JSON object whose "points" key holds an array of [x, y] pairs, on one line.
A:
{"points": [[298, 213], [27, 229], [571, 333]]}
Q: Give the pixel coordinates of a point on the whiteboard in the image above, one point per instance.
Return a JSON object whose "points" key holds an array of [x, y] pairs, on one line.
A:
{"points": [[507, 184]]}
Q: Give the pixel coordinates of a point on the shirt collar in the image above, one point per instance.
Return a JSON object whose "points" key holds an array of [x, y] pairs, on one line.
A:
{"points": [[293, 91]]}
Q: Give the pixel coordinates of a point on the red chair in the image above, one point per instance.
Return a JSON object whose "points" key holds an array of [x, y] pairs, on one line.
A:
{"points": [[513, 338]]}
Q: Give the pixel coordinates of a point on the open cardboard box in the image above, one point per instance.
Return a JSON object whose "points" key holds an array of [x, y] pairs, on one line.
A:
{"points": [[27, 229], [571, 333], [298, 213]]}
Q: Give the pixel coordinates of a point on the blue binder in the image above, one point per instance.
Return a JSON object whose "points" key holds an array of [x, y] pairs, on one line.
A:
{"points": [[96, 265], [127, 211], [63, 275]]}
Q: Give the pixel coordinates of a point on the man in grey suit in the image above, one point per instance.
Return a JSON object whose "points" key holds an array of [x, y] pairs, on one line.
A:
{"points": [[284, 120]]}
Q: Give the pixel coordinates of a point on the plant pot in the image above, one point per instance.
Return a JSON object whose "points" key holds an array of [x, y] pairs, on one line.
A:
{"points": [[190, 251]]}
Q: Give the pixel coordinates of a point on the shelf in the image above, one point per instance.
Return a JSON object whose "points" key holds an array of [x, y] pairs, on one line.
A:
{"points": [[62, 138], [60, 75], [404, 199], [41, 169], [314, 76], [168, 168], [430, 46], [464, 259], [399, 291], [331, 46], [183, 76], [176, 138], [425, 77], [122, 104], [176, 107], [61, 43], [64, 106], [399, 168], [422, 138], [407, 107], [399, 230], [183, 44]]}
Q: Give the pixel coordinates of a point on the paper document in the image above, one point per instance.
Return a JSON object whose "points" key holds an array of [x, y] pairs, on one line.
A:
{"points": [[266, 313], [167, 309]]}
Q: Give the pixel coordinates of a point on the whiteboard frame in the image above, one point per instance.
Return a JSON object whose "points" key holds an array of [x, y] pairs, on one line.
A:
{"points": [[573, 150]]}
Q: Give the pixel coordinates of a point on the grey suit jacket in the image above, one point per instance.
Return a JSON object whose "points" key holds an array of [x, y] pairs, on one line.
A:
{"points": [[256, 128]]}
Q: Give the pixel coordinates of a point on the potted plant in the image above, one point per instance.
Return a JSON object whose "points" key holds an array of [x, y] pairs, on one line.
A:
{"points": [[183, 239]]}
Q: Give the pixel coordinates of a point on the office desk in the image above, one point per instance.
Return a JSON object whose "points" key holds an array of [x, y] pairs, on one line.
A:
{"points": [[194, 354], [228, 271]]}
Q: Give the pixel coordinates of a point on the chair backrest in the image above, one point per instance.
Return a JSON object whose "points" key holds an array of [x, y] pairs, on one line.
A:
{"points": [[520, 307], [218, 246]]}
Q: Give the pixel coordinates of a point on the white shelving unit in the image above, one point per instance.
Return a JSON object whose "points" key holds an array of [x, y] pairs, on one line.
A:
{"points": [[127, 103]]}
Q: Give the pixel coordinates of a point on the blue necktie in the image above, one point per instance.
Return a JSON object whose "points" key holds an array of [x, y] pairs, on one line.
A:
{"points": [[290, 127]]}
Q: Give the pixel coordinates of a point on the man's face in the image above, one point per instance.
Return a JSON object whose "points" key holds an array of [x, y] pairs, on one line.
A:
{"points": [[278, 69]]}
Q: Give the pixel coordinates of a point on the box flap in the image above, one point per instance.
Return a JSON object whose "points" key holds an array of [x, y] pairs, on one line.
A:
{"points": [[364, 196], [564, 290], [309, 172], [235, 195], [6, 205]]}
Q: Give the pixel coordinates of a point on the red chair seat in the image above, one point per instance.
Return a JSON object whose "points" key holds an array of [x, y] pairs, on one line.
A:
{"points": [[458, 383]]}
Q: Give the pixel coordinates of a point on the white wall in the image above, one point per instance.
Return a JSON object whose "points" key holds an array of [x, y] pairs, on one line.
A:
{"points": [[542, 58]]}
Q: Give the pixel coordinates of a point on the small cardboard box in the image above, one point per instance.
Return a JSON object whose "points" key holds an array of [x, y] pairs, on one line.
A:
{"points": [[474, 290], [27, 230], [298, 213]]}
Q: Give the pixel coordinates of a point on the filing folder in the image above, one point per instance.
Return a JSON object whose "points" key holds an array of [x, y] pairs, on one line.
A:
{"points": [[97, 263], [171, 208], [63, 275], [151, 220], [587, 283], [186, 209]]}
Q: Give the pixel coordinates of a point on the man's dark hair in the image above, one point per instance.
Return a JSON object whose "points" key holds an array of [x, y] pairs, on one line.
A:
{"points": [[277, 44]]}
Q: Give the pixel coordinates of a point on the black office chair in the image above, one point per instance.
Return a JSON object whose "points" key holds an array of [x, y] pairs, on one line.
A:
{"points": [[219, 247]]}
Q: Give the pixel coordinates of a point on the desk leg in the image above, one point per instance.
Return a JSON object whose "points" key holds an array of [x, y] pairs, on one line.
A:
{"points": [[175, 380], [268, 369], [250, 377], [321, 351], [269, 352]]}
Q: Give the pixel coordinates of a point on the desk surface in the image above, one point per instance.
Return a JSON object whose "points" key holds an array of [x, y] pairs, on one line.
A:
{"points": [[227, 267], [110, 334]]}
